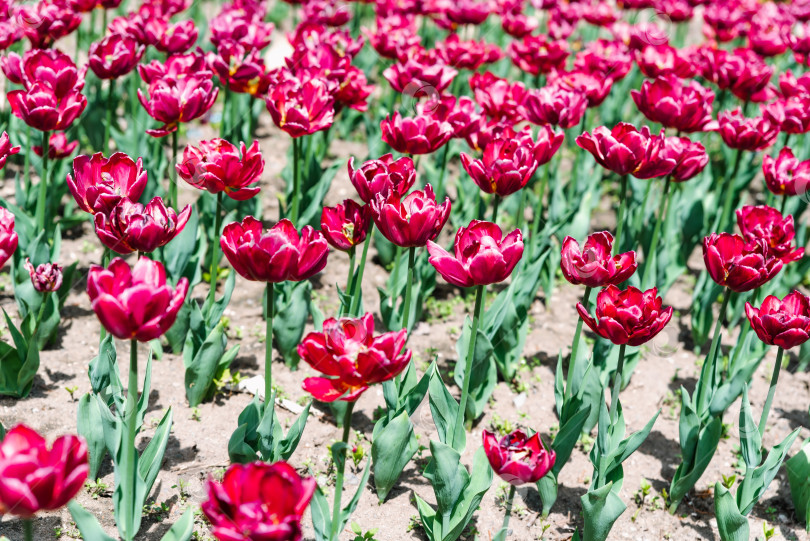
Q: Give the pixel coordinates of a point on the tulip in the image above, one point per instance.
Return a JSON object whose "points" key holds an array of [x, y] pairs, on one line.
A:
{"points": [[594, 265], [744, 133], [6, 149], [766, 223], [538, 54], [301, 108], [232, 25], [8, 236], [786, 175], [594, 86], [240, 69], [132, 227], [422, 70], [258, 501], [555, 105], [410, 221], [381, 176], [345, 226], [135, 303], [45, 22], [739, 265], [172, 101], [178, 66], [170, 38], [784, 323], [46, 277], [114, 56], [98, 183], [393, 39], [518, 25], [517, 458], [742, 71], [673, 104], [482, 255], [472, 12], [35, 477], [662, 60], [627, 150], [42, 108], [792, 86], [354, 90], [58, 147], [792, 115], [218, 166], [469, 55], [51, 67], [418, 135], [612, 58], [690, 158], [499, 98]]}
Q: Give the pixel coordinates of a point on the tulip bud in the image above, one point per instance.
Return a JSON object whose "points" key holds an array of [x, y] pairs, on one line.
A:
{"points": [[114, 56], [46, 277], [6, 149], [517, 458], [132, 227], [8, 237], [58, 147]]}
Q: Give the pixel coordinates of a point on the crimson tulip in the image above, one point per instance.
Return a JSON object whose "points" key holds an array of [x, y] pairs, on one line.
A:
{"points": [[352, 358], [345, 225], [595, 86], [631, 317], [58, 147], [178, 66], [382, 175], [422, 134], [518, 25], [768, 224], [538, 54], [170, 38], [473, 12], [233, 25], [792, 115], [555, 105], [258, 501], [47, 21], [240, 68], [6, 149], [673, 104], [499, 98], [784, 323], [172, 101], [792, 86], [218, 166], [394, 37], [662, 60], [354, 90], [517, 458], [739, 265], [481, 255], [50, 67], [133, 227], [690, 158], [46, 277], [469, 55], [410, 221], [114, 56], [301, 108], [594, 265], [424, 69], [610, 57], [135, 303], [8, 236], [744, 133], [42, 108], [742, 71], [786, 175], [627, 150], [276, 255], [98, 183], [35, 477]]}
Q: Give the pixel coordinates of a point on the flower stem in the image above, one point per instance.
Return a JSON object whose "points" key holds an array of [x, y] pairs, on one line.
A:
{"points": [[43, 182], [406, 304], [572, 363], [766, 409], [496, 202], [442, 172], [110, 108], [649, 262], [341, 467], [225, 101], [617, 385], [173, 173], [783, 207], [617, 244], [358, 280], [268, 345], [215, 248], [27, 159], [729, 187], [350, 281], [132, 430], [521, 210], [42, 311], [28, 529], [465, 388], [296, 181], [508, 513], [703, 386]]}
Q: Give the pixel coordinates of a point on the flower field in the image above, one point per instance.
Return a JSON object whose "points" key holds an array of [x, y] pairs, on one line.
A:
{"points": [[418, 270]]}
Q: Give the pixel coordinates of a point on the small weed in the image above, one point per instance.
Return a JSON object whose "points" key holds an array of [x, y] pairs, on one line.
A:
{"points": [[71, 391], [195, 414], [363, 536], [767, 530], [728, 481], [97, 489], [500, 426]]}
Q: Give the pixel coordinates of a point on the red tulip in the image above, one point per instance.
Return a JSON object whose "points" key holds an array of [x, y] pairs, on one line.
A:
{"points": [[6, 149], [792, 115], [661, 60], [631, 317], [173, 101], [786, 175], [767, 39], [114, 56], [418, 71], [177, 66], [739, 265], [483, 131], [345, 226], [599, 13], [98, 183], [690, 158], [132, 227], [744, 133], [46, 277], [417, 135], [10, 33], [676, 11], [49, 67], [34, 477], [393, 38], [258, 501], [792, 86], [482, 255], [626, 150], [518, 25], [218, 166], [517, 458], [724, 21], [595, 86], [538, 54], [742, 71], [233, 25], [352, 358], [605, 56], [354, 90], [58, 147], [765, 223], [784, 323], [381, 176], [135, 303], [499, 98], [47, 21], [673, 104], [556, 106], [410, 221], [8, 236], [240, 68], [510, 161], [301, 108], [41, 108], [170, 38], [594, 265], [328, 12], [473, 12], [461, 113], [276, 255], [639, 36]]}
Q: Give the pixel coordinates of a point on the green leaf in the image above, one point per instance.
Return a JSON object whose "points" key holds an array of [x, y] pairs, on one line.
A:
{"points": [[347, 511], [798, 471], [479, 483], [484, 370], [103, 368], [757, 480], [732, 525], [87, 523], [290, 442], [444, 409], [152, 457], [321, 518], [750, 439], [391, 451], [427, 516], [601, 508], [292, 312], [200, 371], [90, 426], [547, 487], [447, 475], [182, 529]]}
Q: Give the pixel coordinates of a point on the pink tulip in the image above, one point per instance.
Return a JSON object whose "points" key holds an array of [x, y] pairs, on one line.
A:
{"points": [[219, 166], [133, 227], [410, 221], [98, 183]]}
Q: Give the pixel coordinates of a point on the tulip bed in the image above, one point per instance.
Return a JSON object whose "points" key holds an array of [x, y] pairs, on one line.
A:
{"points": [[404, 270]]}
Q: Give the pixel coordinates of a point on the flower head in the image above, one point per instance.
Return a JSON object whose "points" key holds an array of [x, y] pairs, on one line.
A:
{"points": [[631, 317]]}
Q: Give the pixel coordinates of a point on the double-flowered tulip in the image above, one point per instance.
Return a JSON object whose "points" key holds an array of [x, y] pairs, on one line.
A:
{"points": [[687, 107], [135, 303], [784, 323], [6, 149], [481, 255], [785, 174], [99, 183], [351, 358], [35, 477], [517, 458], [301, 108], [345, 225], [594, 265], [744, 133], [626, 150], [412, 220], [276, 255], [46, 277], [133, 227], [423, 134], [44, 109], [690, 157], [381, 176], [555, 105], [175, 100], [59, 147], [114, 56], [738, 264], [8, 236], [631, 317], [768, 224], [170, 38], [218, 166], [258, 501]]}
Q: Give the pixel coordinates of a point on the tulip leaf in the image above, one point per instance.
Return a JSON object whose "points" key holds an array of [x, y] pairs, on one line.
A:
{"points": [[86, 523], [103, 368], [484, 370], [798, 471], [427, 516], [444, 410], [152, 457], [176, 335], [757, 480], [479, 482], [547, 487], [90, 426], [181, 530], [750, 439], [601, 508], [732, 525], [292, 303], [391, 450], [349, 508], [568, 436], [2, 432], [447, 475], [182, 255], [202, 368], [321, 517], [286, 447]]}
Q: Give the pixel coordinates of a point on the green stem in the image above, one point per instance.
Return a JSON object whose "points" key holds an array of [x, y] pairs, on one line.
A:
{"points": [[617, 244], [234, 119], [268, 346], [641, 211], [406, 305], [766, 409], [43, 181], [442, 172], [350, 281], [662, 212], [617, 385], [132, 430], [508, 513], [296, 180], [341, 467], [521, 209], [28, 529], [110, 108], [215, 247], [41, 311], [495, 204], [703, 386], [465, 387], [783, 206], [27, 159], [357, 284], [729, 187], [572, 363], [225, 101], [173, 173]]}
